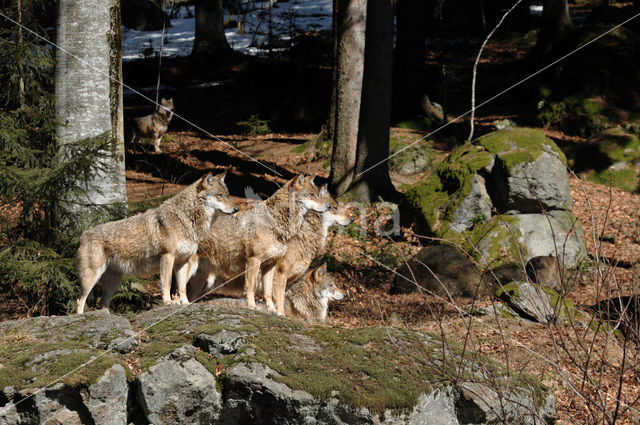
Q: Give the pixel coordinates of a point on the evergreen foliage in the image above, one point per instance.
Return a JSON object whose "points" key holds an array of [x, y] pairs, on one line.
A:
{"points": [[36, 174]]}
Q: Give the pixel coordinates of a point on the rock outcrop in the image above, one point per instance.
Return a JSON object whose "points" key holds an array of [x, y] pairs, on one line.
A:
{"points": [[250, 367], [504, 198]]}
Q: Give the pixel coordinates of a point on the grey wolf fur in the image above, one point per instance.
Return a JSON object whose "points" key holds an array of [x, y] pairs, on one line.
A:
{"points": [[153, 125], [253, 241], [308, 298], [302, 248], [160, 239]]}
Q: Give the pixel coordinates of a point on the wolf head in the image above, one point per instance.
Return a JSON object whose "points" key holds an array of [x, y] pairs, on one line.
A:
{"points": [[215, 195], [308, 194], [166, 107], [337, 213], [324, 286]]}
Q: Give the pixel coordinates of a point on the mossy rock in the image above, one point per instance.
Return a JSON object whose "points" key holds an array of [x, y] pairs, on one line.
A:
{"points": [[512, 171], [432, 202], [621, 150]]}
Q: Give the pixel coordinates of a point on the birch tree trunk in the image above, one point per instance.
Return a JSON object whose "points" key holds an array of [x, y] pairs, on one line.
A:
{"points": [[371, 177], [89, 100], [349, 74]]}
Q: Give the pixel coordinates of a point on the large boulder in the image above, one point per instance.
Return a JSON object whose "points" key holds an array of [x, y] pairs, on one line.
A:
{"points": [[442, 270], [503, 198], [609, 158], [260, 368], [179, 389]]}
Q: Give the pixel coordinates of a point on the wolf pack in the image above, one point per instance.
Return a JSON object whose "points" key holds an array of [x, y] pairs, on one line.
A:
{"points": [[200, 243]]}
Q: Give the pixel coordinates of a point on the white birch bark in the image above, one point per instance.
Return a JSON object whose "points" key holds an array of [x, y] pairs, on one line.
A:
{"points": [[88, 93]]}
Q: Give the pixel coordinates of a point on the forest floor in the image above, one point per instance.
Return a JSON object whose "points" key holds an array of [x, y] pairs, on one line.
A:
{"points": [[293, 94]]}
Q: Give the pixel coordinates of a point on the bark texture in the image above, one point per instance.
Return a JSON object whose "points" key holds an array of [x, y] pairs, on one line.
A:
{"points": [[89, 96], [350, 69], [375, 111], [555, 23], [210, 38]]}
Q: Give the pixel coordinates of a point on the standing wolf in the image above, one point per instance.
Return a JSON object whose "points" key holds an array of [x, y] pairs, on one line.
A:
{"points": [[153, 125], [303, 248], [160, 239], [253, 241]]}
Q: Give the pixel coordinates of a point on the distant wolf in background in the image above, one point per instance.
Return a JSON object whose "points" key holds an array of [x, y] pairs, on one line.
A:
{"points": [[152, 125], [308, 298], [252, 242], [160, 239]]}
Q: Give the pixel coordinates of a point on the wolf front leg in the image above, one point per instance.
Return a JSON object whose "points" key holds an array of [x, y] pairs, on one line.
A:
{"points": [[252, 272], [182, 277], [279, 289], [166, 272], [156, 142], [267, 289]]}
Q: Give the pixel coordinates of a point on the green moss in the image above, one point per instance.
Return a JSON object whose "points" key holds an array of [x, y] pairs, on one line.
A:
{"points": [[519, 145], [508, 291], [18, 368], [626, 179], [420, 124], [433, 200]]}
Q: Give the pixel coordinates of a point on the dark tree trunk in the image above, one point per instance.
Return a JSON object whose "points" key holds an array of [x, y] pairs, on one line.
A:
{"points": [[330, 126], [349, 72], [375, 111], [415, 19], [210, 38], [555, 23]]}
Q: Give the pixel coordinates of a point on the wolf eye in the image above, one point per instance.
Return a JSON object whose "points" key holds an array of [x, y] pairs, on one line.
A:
{"points": [[219, 196]]}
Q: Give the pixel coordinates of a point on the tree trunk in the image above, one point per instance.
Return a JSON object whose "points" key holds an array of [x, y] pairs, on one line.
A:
{"points": [[350, 69], [415, 18], [555, 23], [330, 126], [375, 111], [89, 102], [210, 38]]}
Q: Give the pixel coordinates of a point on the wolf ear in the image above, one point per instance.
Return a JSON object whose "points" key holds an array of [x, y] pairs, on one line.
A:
{"points": [[222, 176], [299, 181], [324, 190], [322, 270], [206, 182]]}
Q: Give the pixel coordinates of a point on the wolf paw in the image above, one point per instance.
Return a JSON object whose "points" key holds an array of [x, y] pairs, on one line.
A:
{"points": [[171, 302], [184, 301]]}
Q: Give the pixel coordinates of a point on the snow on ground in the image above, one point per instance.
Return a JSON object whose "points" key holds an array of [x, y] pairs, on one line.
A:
{"points": [[288, 17]]}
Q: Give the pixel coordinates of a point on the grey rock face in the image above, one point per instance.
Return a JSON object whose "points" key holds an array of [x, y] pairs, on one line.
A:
{"points": [[172, 392], [530, 187], [441, 269], [223, 343], [476, 205], [103, 330], [558, 234], [532, 303], [106, 400]]}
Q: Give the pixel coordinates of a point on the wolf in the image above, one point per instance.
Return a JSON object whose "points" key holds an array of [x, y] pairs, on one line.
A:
{"points": [[301, 249], [153, 125], [253, 241], [308, 298], [160, 239]]}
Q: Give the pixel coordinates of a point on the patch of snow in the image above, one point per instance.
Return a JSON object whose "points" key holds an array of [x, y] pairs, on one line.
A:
{"points": [[288, 17], [535, 9]]}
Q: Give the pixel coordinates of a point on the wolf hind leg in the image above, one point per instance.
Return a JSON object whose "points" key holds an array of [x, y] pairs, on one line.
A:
{"points": [[88, 279]]}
